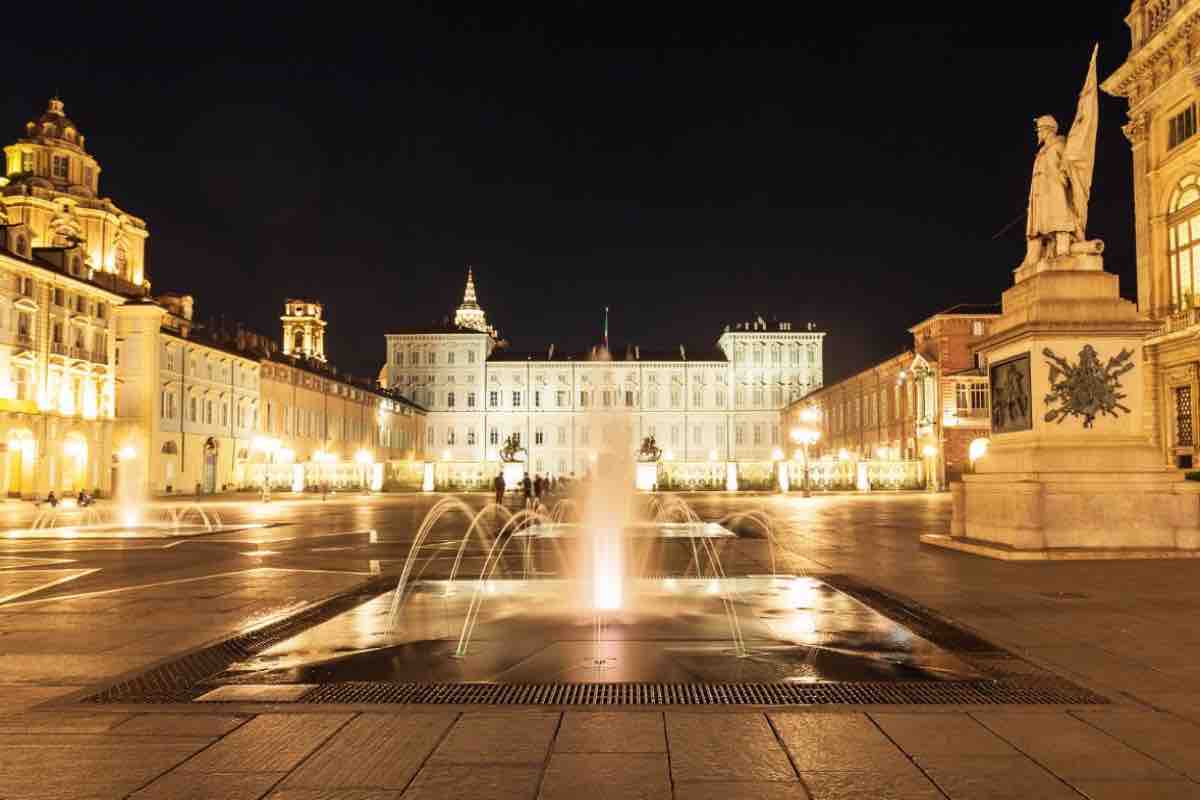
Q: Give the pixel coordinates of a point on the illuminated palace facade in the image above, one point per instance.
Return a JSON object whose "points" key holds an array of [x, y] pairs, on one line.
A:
{"points": [[1159, 80], [69, 259], [565, 409]]}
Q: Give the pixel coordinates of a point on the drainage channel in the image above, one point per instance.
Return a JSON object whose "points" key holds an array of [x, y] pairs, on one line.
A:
{"points": [[1008, 679]]}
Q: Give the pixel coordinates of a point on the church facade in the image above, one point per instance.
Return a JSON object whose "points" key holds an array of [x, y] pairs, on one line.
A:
{"points": [[566, 409]]}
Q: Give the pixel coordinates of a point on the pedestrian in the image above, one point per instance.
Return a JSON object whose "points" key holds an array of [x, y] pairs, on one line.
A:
{"points": [[498, 485], [538, 489], [52, 500], [527, 488]]}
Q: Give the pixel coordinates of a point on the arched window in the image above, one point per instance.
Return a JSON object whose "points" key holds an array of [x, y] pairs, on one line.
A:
{"points": [[298, 346], [1183, 242]]}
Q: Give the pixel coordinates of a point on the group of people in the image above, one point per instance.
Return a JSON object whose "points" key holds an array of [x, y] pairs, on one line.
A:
{"points": [[82, 500], [533, 491]]}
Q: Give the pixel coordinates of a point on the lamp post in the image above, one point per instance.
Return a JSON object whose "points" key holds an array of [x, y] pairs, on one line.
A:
{"points": [[930, 452], [364, 459], [805, 435], [269, 447], [322, 458]]}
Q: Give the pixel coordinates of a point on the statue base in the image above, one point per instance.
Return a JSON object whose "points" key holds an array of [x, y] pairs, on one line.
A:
{"points": [[1071, 467]]}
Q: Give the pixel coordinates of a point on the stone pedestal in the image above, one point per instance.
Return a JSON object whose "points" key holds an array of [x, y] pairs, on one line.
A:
{"points": [[1071, 471]]}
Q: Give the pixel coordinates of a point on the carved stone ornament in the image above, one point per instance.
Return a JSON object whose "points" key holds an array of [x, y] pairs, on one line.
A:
{"points": [[1087, 388], [1011, 406]]}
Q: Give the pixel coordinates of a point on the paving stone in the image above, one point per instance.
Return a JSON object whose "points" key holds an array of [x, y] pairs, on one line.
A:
{"points": [[61, 722], [725, 747], [741, 790], [1173, 741], [874, 786], [72, 770], [213, 725], [491, 738], [76, 670], [478, 781], [206, 785], [1138, 790], [268, 743], [336, 794], [613, 776], [838, 742], [14, 699], [280, 693], [1070, 748], [942, 734], [600, 732], [374, 750], [994, 778]]}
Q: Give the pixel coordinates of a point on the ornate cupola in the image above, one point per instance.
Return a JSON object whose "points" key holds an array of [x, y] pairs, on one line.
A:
{"points": [[469, 314], [52, 155]]}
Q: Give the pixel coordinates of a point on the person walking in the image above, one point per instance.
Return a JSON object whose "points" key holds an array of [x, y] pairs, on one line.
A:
{"points": [[527, 488], [540, 490], [498, 486]]}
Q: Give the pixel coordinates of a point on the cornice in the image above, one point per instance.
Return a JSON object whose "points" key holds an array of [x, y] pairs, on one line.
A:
{"points": [[1157, 61]]}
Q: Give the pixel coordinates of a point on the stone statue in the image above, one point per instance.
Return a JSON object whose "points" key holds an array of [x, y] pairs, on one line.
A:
{"points": [[1062, 181]]}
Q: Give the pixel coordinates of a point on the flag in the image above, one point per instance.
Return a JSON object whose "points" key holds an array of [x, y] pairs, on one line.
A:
{"points": [[1080, 152]]}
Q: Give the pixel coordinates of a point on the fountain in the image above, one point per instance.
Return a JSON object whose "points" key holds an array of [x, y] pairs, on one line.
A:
{"points": [[606, 585]]}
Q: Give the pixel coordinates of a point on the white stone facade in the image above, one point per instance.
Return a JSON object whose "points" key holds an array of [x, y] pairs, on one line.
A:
{"points": [[566, 409]]}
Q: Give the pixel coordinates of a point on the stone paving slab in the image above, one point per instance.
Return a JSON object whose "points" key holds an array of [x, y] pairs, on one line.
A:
{"points": [[725, 747], [253, 693], [612, 776], [47, 770], [838, 742], [478, 781], [1070, 748], [214, 725], [911, 785], [270, 743], [741, 790], [615, 732], [381, 751], [497, 738], [208, 786], [1170, 740], [994, 778], [937, 734], [1138, 790], [50, 722]]}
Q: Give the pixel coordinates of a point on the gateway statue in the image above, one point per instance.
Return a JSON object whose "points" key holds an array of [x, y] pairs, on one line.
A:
{"points": [[1062, 181]]}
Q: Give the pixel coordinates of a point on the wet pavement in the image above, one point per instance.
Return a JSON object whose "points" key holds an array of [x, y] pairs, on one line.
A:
{"points": [[76, 614]]}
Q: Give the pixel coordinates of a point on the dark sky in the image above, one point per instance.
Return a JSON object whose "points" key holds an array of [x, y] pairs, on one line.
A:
{"points": [[686, 170]]}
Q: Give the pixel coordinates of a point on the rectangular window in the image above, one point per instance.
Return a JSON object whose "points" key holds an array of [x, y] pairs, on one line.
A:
{"points": [[697, 398], [450, 436], [494, 436], [431, 358], [583, 398], [607, 398], [720, 398], [758, 434], [449, 399], [629, 399], [537, 398], [59, 297], [539, 436], [493, 399], [979, 394], [1183, 416], [560, 399], [676, 398], [59, 166], [516, 399], [26, 162], [1181, 127], [470, 399], [739, 434], [450, 358], [414, 357], [470, 436]]}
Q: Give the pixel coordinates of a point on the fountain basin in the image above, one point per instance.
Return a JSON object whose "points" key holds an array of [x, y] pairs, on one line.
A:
{"points": [[796, 629]]}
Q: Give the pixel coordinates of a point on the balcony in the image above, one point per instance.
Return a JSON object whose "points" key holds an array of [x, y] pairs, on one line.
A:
{"points": [[59, 349]]}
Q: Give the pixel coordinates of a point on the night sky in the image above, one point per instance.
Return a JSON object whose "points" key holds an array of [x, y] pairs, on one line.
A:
{"points": [[688, 171]]}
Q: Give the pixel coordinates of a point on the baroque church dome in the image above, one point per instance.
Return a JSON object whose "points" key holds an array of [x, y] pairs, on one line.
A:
{"points": [[55, 125]]}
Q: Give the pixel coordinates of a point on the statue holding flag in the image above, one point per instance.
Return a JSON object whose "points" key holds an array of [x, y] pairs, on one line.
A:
{"points": [[1062, 181]]}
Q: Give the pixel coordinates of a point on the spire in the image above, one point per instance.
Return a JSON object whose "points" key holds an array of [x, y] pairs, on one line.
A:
{"points": [[469, 300], [606, 327], [469, 314]]}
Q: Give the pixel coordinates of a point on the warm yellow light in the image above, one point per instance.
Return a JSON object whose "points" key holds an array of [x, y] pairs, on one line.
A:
{"points": [[126, 453], [74, 448], [91, 400], [265, 444], [712, 454], [929, 451], [809, 415], [843, 455], [445, 455], [364, 457], [776, 454], [287, 454], [669, 456], [977, 449], [881, 453]]}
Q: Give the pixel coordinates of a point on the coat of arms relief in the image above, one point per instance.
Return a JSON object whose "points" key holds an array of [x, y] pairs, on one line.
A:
{"points": [[1086, 389]]}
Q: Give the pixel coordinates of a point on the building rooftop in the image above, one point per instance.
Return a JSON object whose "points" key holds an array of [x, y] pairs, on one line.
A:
{"points": [[623, 354]]}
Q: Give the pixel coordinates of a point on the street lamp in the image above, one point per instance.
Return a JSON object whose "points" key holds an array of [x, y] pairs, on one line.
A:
{"points": [[930, 452], [364, 459], [805, 435], [269, 447], [322, 458]]}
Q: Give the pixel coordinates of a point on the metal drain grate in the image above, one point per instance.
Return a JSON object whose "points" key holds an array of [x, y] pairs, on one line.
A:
{"points": [[706, 694]]}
